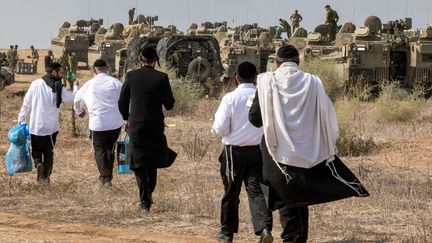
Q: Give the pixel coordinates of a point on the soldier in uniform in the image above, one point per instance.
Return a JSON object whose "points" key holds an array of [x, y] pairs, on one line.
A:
{"points": [[131, 15], [14, 58], [296, 18], [35, 57], [63, 60], [72, 68], [9, 56], [332, 18]]}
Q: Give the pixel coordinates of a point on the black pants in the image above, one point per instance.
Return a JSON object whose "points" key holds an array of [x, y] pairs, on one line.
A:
{"points": [[146, 179], [42, 152], [103, 145], [295, 223], [247, 165]]}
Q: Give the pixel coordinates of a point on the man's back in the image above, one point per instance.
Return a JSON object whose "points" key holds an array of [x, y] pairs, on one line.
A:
{"points": [[231, 119], [148, 89], [100, 96]]}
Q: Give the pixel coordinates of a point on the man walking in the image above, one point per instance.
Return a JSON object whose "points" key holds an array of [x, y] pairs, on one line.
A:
{"points": [[143, 94], [332, 18], [100, 95], [35, 58], [300, 131], [296, 18], [241, 158], [42, 101]]}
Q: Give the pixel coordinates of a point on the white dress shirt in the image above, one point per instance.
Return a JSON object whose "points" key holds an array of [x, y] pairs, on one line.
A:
{"points": [[100, 95], [232, 118], [40, 103]]}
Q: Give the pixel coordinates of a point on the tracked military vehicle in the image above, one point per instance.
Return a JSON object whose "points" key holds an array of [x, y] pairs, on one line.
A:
{"points": [[106, 45], [76, 38], [195, 57], [7, 77]]}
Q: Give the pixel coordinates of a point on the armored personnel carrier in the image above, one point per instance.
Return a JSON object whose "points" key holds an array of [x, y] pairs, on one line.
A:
{"points": [[106, 45], [76, 38]]}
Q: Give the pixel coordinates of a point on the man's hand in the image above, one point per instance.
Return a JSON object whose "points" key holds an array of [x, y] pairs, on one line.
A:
{"points": [[83, 114]]}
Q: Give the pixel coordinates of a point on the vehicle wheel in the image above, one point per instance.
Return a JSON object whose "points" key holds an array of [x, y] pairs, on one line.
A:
{"points": [[199, 68]]}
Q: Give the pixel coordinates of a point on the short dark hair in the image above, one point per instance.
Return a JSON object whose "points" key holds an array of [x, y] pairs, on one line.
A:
{"points": [[288, 53], [327, 6], [55, 66], [149, 54], [100, 63], [16, 45], [11, 46], [31, 46], [247, 72]]}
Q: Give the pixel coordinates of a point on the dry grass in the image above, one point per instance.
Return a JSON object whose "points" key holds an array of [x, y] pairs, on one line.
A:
{"points": [[187, 196]]}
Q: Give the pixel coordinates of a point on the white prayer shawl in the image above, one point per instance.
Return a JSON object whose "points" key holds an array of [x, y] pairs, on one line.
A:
{"points": [[299, 120]]}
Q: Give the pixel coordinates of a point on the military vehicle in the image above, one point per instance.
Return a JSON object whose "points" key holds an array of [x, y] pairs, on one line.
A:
{"points": [[106, 45], [76, 38], [7, 77], [195, 57]]}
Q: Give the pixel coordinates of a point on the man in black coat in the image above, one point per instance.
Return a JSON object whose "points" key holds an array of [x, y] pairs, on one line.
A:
{"points": [[143, 94]]}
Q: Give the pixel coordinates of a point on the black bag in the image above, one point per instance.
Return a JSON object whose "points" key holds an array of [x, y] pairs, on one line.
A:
{"points": [[325, 182]]}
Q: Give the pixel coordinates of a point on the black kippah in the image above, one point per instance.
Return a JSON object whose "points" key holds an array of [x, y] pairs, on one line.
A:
{"points": [[287, 52], [100, 63], [149, 53], [246, 70]]}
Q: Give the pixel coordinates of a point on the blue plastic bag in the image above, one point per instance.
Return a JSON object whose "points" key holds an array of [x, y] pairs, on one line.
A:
{"points": [[18, 159], [123, 157], [19, 134]]}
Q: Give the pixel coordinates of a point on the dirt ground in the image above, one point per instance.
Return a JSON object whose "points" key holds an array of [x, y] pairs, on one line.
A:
{"points": [[187, 197]]}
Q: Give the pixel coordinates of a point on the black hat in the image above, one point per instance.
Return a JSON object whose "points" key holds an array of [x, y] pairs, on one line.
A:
{"points": [[100, 63], [54, 65], [287, 52], [149, 53], [246, 70]]}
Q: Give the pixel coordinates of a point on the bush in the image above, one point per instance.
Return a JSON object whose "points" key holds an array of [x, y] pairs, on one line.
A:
{"points": [[351, 142], [328, 73], [187, 95], [397, 105]]}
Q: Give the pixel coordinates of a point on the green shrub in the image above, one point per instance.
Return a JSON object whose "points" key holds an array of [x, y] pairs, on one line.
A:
{"points": [[351, 142], [397, 105], [187, 95], [328, 73]]}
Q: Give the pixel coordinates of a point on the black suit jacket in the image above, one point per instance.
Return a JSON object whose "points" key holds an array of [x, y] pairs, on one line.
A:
{"points": [[143, 94]]}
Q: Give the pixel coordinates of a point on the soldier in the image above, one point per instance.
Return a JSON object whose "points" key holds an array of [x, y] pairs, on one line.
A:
{"points": [[131, 15], [296, 18], [14, 58], [49, 59], [285, 26], [72, 68], [63, 60], [9, 55], [35, 57], [332, 18]]}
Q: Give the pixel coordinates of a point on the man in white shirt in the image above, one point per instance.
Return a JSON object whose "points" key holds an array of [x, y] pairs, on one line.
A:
{"points": [[42, 101], [241, 158], [100, 96]]}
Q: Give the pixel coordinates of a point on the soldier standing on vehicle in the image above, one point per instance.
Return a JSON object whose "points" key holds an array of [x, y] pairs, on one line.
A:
{"points": [[131, 15], [332, 18], [296, 18], [35, 58]]}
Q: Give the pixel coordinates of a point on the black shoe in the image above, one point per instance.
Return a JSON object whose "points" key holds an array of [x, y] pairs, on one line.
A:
{"points": [[224, 238], [266, 236], [40, 173], [143, 210]]}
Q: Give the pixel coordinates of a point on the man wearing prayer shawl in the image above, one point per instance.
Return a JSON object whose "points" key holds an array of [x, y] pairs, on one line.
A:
{"points": [[143, 94], [300, 167]]}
